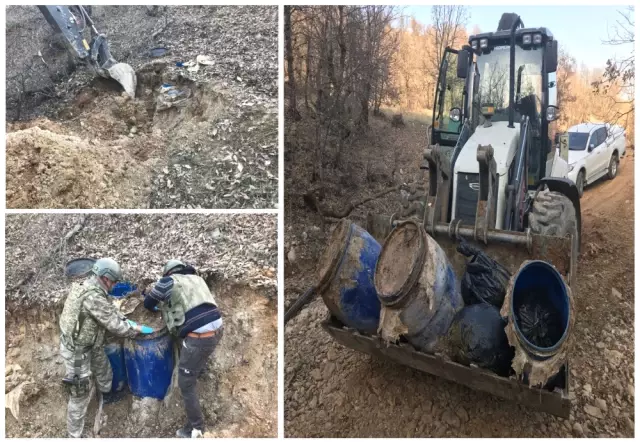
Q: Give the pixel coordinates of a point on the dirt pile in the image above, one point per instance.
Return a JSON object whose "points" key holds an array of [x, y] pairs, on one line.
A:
{"points": [[236, 254], [50, 170], [332, 391]]}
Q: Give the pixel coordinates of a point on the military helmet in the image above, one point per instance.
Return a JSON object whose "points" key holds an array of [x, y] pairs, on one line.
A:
{"points": [[172, 265], [108, 268]]}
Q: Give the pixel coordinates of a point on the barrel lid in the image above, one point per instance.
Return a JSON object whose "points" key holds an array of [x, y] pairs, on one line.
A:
{"points": [[330, 258], [78, 267], [400, 262]]}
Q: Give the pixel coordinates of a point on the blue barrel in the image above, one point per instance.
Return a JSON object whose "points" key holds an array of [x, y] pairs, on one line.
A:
{"points": [[345, 277], [540, 309], [115, 354], [149, 363], [122, 289], [418, 288]]}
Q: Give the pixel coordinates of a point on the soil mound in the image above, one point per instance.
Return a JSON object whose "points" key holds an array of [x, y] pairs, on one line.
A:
{"points": [[46, 169]]}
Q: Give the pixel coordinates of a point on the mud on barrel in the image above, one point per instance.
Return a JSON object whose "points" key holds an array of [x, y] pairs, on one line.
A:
{"points": [[417, 287], [345, 277]]}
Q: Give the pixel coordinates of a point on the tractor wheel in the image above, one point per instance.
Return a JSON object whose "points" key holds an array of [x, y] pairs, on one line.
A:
{"points": [[580, 183], [614, 162], [553, 214]]}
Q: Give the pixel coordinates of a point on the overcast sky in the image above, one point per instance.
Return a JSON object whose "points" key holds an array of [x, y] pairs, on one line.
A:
{"points": [[580, 29]]}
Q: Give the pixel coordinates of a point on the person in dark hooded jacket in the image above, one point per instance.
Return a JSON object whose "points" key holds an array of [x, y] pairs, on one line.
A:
{"points": [[191, 313]]}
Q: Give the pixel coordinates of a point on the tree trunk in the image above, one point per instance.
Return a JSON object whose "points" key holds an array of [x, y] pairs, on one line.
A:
{"points": [[293, 105]]}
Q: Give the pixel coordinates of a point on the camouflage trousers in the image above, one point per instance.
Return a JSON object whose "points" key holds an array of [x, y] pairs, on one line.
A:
{"points": [[95, 367]]}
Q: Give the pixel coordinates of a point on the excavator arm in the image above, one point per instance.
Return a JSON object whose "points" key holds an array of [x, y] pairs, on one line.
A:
{"points": [[71, 23]]}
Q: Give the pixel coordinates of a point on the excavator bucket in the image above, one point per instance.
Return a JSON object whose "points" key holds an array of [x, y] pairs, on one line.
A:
{"points": [[126, 76], [108, 67]]}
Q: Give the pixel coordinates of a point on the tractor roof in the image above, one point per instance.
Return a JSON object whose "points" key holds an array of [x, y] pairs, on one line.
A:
{"points": [[506, 34]]}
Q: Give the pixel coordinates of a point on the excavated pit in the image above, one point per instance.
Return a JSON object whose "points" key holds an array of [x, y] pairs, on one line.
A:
{"points": [[238, 392], [212, 145]]}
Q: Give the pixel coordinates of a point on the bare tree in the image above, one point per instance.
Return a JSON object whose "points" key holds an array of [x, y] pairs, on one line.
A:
{"points": [[448, 24], [618, 79], [565, 73], [288, 47]]}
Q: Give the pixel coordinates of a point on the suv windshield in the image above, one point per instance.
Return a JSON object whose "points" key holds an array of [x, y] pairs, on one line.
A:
{"points": [[494, 80], [578, 140]]}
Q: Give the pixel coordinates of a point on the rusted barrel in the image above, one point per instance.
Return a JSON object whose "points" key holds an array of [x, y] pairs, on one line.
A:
{"points": [[345, 277], [417, 287]]}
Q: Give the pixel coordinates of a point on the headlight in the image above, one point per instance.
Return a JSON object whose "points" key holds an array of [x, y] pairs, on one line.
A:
{"points": [[454, 114], [484, 43], [537, 39], [526, 39], [474, 44], [571, 166]]}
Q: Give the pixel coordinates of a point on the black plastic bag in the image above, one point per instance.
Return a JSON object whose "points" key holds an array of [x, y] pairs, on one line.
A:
{"points": [[477, 336], [485, 280]]}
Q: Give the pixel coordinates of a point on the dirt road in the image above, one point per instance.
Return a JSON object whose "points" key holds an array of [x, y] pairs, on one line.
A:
{"points": [[331, 391]]}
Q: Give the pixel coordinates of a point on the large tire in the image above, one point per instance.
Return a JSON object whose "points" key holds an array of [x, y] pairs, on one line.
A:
{"points": [[553, 214], [614, 164], [580, 182]]}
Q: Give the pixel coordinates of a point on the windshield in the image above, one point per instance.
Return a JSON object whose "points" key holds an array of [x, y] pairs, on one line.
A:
{"points": [[494, 81], [578, 140]]}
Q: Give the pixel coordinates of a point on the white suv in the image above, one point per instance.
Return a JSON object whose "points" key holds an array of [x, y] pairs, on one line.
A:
{"points": [[594, 151]]}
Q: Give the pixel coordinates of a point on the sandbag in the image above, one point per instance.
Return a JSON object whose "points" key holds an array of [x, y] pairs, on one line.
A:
{"points": [[485, 280], [477, 336]]}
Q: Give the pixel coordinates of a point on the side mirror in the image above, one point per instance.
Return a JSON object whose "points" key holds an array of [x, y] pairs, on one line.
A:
{"points": [[551, 56], [462, 70], [591, 147], [552, 113]]}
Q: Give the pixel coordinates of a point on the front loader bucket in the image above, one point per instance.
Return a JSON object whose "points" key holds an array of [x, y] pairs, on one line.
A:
{"points": [[541, 380]]}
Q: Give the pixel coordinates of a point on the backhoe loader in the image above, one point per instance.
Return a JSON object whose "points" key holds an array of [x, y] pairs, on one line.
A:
{"points": [[495, 180]]}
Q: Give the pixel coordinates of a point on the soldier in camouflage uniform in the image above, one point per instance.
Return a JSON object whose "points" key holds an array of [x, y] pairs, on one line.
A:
{"points": [[87, 314], [191, 313]]}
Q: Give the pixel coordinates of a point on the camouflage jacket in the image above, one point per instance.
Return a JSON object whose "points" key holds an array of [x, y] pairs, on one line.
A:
{"points": [[87, 313]]}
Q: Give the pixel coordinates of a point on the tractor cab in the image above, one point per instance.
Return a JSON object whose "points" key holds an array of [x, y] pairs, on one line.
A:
{"points": [[511, 107], [518, 81]]}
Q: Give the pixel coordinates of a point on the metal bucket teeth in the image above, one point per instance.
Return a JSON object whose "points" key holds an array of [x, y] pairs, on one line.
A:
{"points": [[126, 76]]}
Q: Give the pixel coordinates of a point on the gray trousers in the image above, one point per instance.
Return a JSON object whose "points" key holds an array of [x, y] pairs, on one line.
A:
{"points": [[95, 366], [194, 353]]}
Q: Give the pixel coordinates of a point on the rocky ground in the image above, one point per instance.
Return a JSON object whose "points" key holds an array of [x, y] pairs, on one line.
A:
{"points": [[236, 254], [217, 149], [332, 391]]}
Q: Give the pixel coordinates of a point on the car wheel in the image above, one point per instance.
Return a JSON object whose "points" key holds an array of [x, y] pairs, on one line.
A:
{"points": [[580, 183], [614, 162]]}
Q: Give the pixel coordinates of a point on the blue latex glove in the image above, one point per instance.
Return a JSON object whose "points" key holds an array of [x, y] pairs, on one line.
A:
{"points": [[156, 308], [144, 329]]}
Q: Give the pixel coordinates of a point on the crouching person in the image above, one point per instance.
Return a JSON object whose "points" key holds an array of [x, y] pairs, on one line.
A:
{"points": [[191, 313]]}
